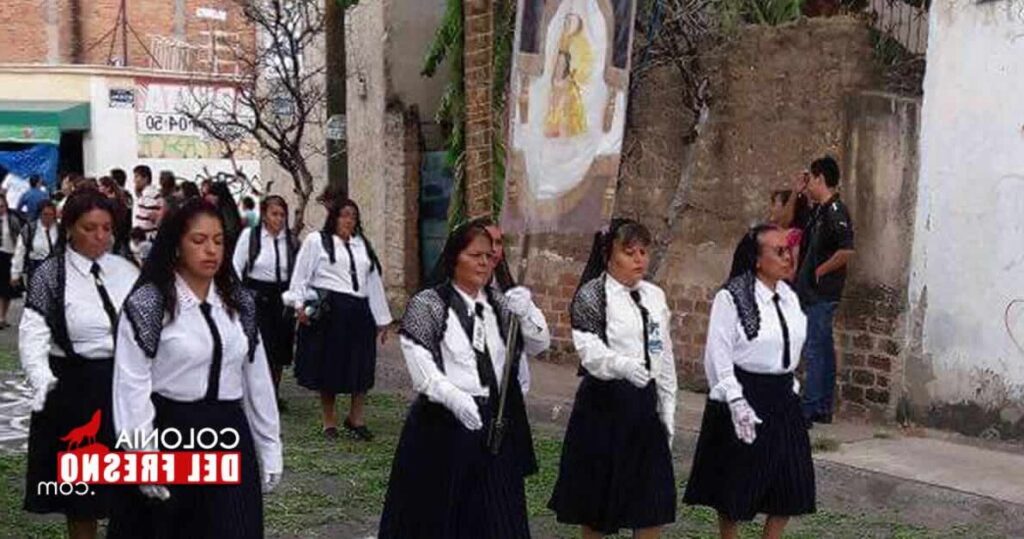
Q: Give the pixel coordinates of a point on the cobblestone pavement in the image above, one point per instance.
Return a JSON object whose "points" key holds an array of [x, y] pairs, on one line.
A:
{"points": [[14, 391]]}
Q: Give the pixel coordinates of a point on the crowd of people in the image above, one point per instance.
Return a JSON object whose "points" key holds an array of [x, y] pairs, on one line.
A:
{"points": [[191, 322]]}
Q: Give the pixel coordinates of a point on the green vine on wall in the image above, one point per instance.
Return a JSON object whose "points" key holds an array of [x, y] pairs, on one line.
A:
{"points": [[449, 45]]}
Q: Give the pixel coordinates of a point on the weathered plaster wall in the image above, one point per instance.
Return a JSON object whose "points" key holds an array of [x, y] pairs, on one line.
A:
{"points": [[967, 369]]}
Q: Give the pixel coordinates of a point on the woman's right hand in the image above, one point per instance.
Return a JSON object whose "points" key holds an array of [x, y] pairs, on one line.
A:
{"points": [[301, 316], [42, 388]]}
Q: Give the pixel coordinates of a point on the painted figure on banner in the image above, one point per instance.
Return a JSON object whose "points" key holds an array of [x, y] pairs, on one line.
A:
{"points": [[571, 76], [566, 113]]}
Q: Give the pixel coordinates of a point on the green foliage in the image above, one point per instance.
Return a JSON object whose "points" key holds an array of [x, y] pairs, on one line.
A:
{"points": [[449, 44], [769, 12]]}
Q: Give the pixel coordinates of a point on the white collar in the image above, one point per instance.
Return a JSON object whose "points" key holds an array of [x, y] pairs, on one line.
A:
{"points": [[764, 294], [614, 286], [187, 299], [266, 233], [81, 263], [470, 301]]}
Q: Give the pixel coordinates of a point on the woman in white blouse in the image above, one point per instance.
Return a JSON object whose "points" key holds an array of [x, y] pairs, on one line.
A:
{"points": [[616, 469], [10, 227], [36, 242], [458, 471], [754, 455], [66, 344], [337, 291], [189, 357], [264, 257]]}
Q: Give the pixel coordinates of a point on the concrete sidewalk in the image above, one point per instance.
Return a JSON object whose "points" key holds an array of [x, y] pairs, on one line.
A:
{"points": [[931, 479]]}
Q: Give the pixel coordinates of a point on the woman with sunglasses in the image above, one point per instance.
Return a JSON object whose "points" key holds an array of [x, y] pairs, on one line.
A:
{"points": [[754, 455]]}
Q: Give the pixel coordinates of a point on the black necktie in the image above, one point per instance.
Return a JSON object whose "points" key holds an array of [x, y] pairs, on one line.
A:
{"points": [[352, 267], [277, 262], [108, 305], [785, 332], [484, 366], [213, 384], [49, 240], [645, 315]]}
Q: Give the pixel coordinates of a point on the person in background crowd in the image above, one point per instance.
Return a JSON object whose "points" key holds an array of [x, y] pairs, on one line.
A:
{"points": [[168, 192], [502, 280], [10, 227], [201, 365], [14, 187], [66, 345], [68, 184], [189, 190], [337, 290], [790, 211], [249, 217], [122, 216], [140, 245], [148, 203], [826, 250], [754, 455], [220, 196], [120, 178], [36, 242], [449, 477], [616, 468], [264, 258], [31, 199]]}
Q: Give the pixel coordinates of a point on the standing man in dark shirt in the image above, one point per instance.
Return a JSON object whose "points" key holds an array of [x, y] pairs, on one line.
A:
{"points": [[827, 249]]}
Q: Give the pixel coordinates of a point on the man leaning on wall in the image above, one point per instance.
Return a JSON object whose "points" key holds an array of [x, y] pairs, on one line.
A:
{"points": [[827, 249]]}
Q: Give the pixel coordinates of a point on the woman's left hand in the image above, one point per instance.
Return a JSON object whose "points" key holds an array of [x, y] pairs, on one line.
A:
{"points": [[519, 301], [382, 334]]}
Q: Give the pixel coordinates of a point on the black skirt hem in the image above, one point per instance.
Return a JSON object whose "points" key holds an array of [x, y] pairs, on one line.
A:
{"points": [[338, 353]]}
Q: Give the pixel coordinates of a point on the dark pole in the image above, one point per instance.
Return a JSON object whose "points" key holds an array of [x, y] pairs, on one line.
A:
{"points": [[337, 150], [124, 33]]}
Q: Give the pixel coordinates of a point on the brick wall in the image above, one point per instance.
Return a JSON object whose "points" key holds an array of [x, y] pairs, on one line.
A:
{"points": [[23, 31], [26, 27], [479, 70]]}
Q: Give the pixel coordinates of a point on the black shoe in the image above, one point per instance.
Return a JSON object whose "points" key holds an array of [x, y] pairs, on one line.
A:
{"points": [[331, 433], [360, 432], [824, 419]]}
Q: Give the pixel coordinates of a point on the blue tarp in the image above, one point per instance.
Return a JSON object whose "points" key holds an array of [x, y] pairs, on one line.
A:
{"points": [[34, 159]]}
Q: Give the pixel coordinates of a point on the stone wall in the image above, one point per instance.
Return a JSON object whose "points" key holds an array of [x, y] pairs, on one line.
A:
{"points": [[782, 96], [880, 187]]}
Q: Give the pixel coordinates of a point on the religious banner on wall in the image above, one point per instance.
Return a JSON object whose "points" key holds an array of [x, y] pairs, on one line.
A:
{"points": [[570, 80]]}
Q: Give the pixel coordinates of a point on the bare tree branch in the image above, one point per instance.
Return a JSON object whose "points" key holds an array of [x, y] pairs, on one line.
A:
{"points": [[280, 91]]}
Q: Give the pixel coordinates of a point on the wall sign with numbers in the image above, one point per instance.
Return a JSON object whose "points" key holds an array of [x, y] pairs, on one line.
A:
{"points": [[165, 123]]}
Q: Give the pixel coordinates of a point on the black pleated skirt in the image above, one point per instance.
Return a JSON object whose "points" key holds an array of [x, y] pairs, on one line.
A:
{"points": [[6, 290], [774, 475], [446, 483], [196, 511], [276, 323], [338, 352], [83, 388], [616, 468]]}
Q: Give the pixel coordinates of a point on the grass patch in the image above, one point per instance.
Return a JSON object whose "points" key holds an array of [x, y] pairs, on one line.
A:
{"points": [[336, 489], [824, 444], [882, 435], [9, 361]]}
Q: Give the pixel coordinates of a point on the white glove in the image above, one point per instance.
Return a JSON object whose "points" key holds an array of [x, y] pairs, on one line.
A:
{"points": [[669, 422], [42, 383], [636, 374], [158, 492], [744, 420], [796, 386], [463, 406], [519, 301], [270, 482]]}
